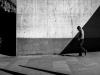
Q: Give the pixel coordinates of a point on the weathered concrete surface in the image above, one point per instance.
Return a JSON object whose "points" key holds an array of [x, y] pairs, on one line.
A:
{"points": [[30, 46], [53, 20]]}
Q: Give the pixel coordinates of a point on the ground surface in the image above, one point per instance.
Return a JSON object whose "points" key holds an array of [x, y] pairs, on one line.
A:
{"points": [[70, 64]]}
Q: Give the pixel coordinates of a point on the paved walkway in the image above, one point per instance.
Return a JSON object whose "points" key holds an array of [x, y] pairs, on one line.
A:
{"points": [[69, 64]]}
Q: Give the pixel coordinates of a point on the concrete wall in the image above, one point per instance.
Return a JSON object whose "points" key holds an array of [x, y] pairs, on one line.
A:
{"points": [[92, 36], [32, 46], [52, 18], [48, 26]]}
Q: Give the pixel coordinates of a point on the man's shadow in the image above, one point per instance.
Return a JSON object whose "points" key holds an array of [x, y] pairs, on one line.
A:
{"points": [[71, 55], [51, 72]]}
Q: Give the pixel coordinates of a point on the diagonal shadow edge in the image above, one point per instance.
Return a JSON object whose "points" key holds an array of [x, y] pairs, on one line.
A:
{"points": [[73, 44], [52, 72], [11, 72]]}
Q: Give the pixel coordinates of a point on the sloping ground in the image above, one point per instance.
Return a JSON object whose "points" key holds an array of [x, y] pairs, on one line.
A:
{"points": [[70, 64]]}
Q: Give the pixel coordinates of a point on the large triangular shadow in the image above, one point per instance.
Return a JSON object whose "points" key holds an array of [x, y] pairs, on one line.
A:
{"points": [[92, 36]]}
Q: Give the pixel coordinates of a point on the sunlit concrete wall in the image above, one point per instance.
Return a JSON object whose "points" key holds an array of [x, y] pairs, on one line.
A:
{"points": [[51, 19]]}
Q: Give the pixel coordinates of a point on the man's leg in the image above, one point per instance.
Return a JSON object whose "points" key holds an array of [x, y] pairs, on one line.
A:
{"points": [[81, 41], [84, 50], [79, 48], [80, 51]]}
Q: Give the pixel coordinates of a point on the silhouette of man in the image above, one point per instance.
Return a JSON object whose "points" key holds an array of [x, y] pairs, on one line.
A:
{"points": [[81, 41]]}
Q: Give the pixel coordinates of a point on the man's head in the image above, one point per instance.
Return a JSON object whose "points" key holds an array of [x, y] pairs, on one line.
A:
{"points": [[79, 28]]}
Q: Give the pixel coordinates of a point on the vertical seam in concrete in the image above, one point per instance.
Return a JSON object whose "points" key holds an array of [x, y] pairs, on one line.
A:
{"points": [[71, 17], [47, 19]]}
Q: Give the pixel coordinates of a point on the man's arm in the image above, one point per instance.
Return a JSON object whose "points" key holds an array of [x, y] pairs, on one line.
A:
{"points": [[79, 36]]}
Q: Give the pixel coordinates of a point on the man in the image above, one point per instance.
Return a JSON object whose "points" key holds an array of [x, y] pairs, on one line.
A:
{"points": [[81, 41]]}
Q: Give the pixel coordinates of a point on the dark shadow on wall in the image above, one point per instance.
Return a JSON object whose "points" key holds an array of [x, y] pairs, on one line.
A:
{"points": [[11, 72], [8, 32], [51, 72], [92, 36]]}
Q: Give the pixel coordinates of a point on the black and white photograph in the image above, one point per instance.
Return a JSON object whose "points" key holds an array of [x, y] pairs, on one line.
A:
{"points": [[49, 37]]}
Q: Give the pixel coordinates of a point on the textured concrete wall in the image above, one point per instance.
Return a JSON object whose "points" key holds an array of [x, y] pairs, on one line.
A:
{"points": [[31, 46], [50, 19], [92, 35]]}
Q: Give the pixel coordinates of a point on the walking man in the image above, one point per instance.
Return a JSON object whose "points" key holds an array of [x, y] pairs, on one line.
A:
{"points": [[81, 41]]}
